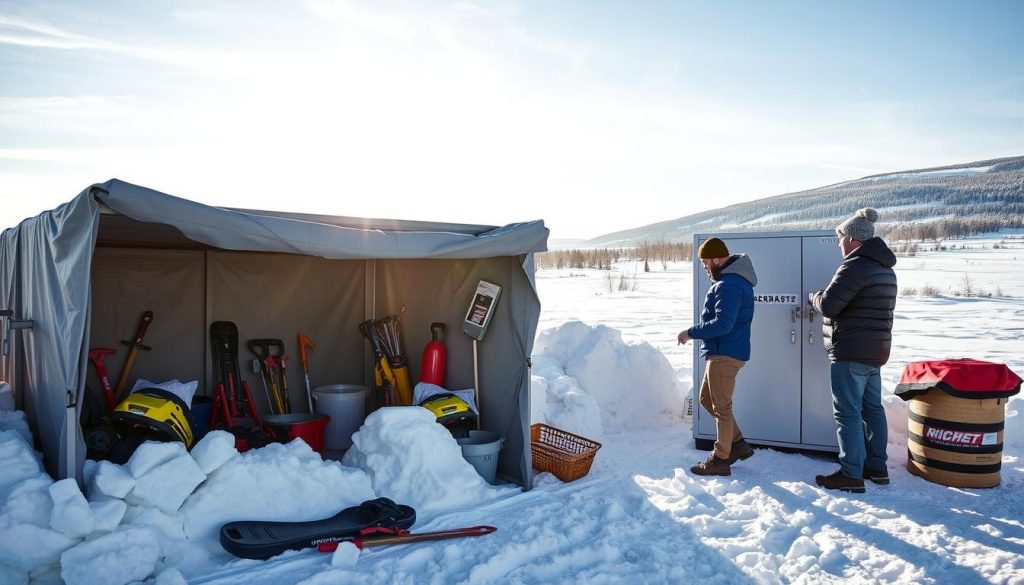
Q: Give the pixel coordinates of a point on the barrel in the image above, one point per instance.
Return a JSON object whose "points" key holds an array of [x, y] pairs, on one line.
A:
{"points": [[953, 441]]}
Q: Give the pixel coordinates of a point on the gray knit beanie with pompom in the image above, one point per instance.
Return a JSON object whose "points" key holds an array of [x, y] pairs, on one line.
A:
{"points": [[861, 226]]}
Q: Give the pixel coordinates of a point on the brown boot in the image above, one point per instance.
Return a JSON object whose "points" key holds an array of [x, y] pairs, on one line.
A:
{"points": [[838, 481], [740, 450], [713, 466]]}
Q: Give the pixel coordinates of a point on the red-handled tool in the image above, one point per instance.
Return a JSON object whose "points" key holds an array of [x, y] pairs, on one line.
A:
{"points": [[305, 342], [378, 536], [97, 356]]}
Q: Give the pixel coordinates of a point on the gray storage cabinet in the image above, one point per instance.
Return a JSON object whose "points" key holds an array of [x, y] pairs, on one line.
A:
{"points": [[783, 396]]}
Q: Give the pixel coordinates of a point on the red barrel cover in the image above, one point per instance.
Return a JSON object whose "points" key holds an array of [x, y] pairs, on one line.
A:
{"points": [[962, 378]]}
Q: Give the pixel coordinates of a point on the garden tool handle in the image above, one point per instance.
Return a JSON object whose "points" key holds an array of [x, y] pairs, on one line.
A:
{"points": [[304, 342], [267, 345], [136, 345], [259, 348], [140, 334]]}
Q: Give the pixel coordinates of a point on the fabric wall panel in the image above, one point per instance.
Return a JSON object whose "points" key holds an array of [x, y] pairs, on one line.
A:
{"points": [[127, 282], [280, 295], [423, 291]]}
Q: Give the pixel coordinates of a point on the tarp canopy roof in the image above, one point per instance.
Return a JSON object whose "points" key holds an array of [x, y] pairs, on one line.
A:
{"points": [[319, 235]]}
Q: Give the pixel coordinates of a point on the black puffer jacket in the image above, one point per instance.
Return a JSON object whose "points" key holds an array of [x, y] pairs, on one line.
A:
{"points": [[858, 305]]}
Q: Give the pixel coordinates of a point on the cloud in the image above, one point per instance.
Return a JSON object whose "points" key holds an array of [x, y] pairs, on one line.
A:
{"points": [[35, 33]]}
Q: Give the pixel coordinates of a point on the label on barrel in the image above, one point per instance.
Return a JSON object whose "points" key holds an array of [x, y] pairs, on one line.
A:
{"points": [[950, 438]]}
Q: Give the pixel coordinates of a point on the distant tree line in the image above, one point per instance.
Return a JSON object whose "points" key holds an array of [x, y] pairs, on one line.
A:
{"points": [[649, 253], [954, 228], [600, 258]]}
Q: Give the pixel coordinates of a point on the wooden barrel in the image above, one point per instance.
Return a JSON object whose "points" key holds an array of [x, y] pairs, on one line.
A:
{"points": [[955, 441]]}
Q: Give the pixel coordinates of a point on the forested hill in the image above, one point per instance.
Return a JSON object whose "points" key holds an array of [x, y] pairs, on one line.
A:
{"points": [[968, 197]]}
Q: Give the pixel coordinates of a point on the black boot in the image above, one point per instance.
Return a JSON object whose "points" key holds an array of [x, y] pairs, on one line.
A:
{"points": [[877, 476], [838, 481]]}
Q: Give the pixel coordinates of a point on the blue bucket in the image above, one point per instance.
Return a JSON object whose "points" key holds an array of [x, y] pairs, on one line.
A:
{"points": [[202, 408]]}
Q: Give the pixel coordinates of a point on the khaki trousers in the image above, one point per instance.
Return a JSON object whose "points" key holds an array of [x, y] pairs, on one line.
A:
{"points": [[716, 397]]}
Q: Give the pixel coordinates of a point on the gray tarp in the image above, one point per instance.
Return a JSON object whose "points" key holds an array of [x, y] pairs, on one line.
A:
{"points": [[84, 272]]}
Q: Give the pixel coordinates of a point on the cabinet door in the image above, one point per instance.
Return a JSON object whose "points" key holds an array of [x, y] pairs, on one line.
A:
{"points": [[821, 257], [766, 402]]}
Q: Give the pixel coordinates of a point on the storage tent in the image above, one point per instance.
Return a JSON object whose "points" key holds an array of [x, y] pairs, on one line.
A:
{"points": [[80, 276]]}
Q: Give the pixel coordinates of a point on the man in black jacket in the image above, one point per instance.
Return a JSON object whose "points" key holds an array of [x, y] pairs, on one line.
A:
{"points": [[857, 307]]}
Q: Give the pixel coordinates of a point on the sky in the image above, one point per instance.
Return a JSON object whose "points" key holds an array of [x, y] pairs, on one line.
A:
{"points": [[594, 116]]}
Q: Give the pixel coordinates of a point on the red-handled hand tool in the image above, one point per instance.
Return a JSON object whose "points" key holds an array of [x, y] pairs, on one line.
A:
{"points": [[305, 342], [97, 356], [376, 536]]}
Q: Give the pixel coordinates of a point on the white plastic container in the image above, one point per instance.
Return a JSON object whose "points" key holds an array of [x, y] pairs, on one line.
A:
{"points": [[481, 450], [346, 405]]}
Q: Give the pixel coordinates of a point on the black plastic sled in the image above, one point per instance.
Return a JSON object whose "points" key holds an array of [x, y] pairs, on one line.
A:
{"points": [[254, 539]]}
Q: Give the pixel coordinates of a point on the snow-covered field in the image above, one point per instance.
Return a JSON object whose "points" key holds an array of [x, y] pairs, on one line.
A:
{"points": [[607, 366]]}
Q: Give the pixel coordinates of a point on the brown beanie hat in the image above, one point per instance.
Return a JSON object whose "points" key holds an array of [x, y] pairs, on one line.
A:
{"points": [[712, 248], [861, 226]]}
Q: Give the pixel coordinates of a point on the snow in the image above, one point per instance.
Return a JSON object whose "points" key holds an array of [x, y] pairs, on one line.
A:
{"points": [[410, 458], [607, 366], [70, 513], [575, 355]]}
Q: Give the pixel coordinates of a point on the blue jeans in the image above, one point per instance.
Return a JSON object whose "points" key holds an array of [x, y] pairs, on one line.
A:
{"points": [[857, 405]]}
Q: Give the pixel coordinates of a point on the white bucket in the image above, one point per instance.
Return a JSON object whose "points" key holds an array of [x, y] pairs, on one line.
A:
{"points": [[346, 405], [481, 449]]}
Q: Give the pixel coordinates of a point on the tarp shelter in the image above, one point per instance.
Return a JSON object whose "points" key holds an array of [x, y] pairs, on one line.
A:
{"points": [[81, 275]]}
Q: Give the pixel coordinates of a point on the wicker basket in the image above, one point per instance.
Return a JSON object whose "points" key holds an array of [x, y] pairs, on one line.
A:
{"points": [[562, 453]]}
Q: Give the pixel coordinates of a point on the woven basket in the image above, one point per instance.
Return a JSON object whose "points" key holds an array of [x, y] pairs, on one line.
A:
{"points": [[562, 453]]}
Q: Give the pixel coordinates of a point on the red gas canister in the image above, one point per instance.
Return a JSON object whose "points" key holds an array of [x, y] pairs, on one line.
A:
{"points": [[434, 357]]}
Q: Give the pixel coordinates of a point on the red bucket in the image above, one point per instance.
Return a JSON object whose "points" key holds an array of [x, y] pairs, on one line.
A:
{"points": [[305, 426]]}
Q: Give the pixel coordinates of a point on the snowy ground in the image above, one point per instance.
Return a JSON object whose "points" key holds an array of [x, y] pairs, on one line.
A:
{"points": [[607, 366]]}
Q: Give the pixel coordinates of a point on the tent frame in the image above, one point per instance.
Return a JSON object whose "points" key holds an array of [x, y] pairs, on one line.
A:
{"points": [[46, 279]]}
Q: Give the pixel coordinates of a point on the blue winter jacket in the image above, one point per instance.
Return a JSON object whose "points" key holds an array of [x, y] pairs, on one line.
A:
{"points": [[724, 327]]}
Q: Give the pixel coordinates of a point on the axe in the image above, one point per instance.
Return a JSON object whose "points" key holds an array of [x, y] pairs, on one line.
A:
{"points": [[135, 346], [96, 356]]}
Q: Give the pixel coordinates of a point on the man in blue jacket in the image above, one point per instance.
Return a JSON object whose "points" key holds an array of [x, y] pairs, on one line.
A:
{"points": [[724, 331]]}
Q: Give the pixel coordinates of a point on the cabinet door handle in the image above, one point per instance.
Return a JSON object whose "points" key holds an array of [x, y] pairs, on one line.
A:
{"points": [[810, 338], [792, 336]]}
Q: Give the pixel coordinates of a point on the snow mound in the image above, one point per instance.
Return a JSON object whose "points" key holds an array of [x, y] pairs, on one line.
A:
{"points": [[277, 482], [415, 461], [586, 368]]}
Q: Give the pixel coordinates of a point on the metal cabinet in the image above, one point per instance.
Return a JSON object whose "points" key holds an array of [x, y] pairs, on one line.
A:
{"points": [[783, 396]]}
